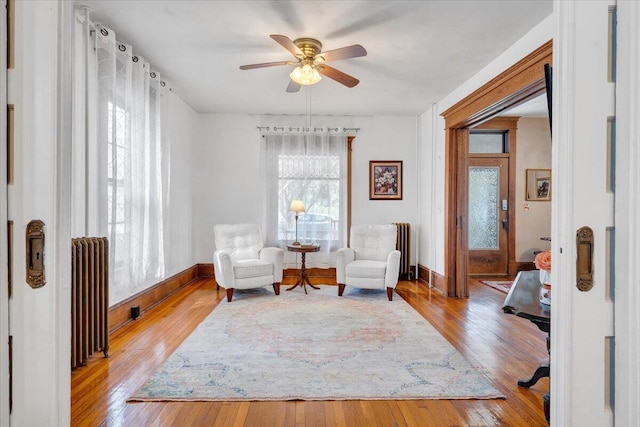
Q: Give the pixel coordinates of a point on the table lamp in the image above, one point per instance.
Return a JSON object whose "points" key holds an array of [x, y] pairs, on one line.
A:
{"points": [[296, 206]]}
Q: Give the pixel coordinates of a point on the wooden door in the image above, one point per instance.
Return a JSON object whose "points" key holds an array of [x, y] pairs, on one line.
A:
{"points": [[487, 215]]}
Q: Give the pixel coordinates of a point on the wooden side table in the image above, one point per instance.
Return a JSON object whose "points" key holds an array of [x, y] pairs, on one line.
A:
{"points": [[304, 279]]}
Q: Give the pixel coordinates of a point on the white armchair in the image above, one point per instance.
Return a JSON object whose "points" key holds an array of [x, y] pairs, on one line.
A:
{"points": [[241, 261], [371, 261]]}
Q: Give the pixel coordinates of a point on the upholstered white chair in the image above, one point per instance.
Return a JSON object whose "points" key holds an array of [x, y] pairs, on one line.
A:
{"points": [[241, 261], [371, 261]]}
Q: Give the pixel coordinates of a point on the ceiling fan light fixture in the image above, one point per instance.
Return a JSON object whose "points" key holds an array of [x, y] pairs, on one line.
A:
{"points": [[305, 75]]}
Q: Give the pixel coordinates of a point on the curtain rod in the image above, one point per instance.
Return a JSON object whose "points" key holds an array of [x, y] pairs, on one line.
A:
{"points": [[121, 46], [299, 129]]}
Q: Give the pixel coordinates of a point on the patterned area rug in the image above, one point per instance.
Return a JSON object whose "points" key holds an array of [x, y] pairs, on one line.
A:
{"points": [[315, 347], [501, 285]]}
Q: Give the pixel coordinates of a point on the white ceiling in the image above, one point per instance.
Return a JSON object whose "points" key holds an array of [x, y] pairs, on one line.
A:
{"points": [[418, 51]]}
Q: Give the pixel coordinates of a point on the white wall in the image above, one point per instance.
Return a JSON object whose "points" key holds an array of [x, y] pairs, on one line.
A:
{"points": [[228, 181], [226, 184], [533, 218], [434, 157]]}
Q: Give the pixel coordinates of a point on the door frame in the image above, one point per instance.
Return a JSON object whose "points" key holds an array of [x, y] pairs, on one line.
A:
{"points": [[627, 269], [516, 85]]}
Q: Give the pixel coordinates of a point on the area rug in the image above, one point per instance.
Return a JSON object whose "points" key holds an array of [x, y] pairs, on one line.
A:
{"points": [[315, 347], [501, 285]]}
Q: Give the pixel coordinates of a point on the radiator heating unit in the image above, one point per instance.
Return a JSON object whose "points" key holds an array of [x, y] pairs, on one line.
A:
{"points": [[89, 298], [403, 244]]}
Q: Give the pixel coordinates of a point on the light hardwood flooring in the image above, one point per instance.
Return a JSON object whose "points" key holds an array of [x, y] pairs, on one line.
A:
{"points": [[505, 347]]}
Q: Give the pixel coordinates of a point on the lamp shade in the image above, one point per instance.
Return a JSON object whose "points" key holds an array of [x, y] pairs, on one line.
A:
{"points": [[305, 75], [296, 206]]}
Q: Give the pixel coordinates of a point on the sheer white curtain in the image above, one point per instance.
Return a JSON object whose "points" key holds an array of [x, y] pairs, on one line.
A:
{"points": [[311, 167], [123, 109]]}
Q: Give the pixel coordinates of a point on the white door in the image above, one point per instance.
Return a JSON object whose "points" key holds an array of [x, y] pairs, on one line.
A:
{"points": [[582, 320], [40, 317]]}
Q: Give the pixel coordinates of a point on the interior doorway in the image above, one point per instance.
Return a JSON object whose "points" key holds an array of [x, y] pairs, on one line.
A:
{"points": [[523, 81]]}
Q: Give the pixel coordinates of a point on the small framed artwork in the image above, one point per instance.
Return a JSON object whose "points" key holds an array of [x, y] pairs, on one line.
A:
{"points": [[538, 184], [385, 180]]}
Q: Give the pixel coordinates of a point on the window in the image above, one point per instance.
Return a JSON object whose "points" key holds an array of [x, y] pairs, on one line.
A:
{"points": [[117, 151], [488, 141], [316, 179], [311, 168], [129, 110]]}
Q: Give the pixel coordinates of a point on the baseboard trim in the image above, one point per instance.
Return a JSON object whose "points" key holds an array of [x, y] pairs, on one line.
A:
{"points": [[440, 283], [205, 270], [424, 274], [433, 279], [120, 313]]}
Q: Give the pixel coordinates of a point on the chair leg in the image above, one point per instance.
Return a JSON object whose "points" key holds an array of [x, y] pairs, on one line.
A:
{"points": [[217, 286], [340, 289], [229, 294], [390, 294], [276, 288]]}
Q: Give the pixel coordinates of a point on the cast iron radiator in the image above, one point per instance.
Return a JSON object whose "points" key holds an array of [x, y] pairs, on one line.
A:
{"points": [[403, 244], [89, 298]]}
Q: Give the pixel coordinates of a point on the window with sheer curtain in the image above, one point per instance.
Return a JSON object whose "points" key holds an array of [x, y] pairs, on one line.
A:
{"points": [[118, 111], [129, 118], [311, 168]]}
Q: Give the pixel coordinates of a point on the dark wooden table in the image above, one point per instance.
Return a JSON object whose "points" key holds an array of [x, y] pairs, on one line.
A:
{"points": [[304, 279], [523, 301]]}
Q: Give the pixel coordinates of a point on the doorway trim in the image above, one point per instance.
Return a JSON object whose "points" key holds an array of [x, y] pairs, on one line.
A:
{"points": [[522, 81]]}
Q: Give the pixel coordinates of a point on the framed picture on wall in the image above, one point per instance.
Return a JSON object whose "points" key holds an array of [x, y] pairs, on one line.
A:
{"points": [[385, 180], [538, 184]]}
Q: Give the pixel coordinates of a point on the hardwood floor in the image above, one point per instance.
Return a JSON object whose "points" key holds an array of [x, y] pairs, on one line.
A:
{"points": [[505, 347]]}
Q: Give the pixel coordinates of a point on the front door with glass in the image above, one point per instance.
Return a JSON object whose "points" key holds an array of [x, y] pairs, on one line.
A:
{"points": [[488, 227]]}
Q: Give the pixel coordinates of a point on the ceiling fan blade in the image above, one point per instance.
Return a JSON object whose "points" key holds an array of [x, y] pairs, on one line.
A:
{"points": [[264, 64], [353, 51], [288, 44], [338, 76], [293, 87]]}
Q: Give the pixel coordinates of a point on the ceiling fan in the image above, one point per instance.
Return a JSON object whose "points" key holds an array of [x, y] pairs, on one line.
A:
{"points": [[311, 62]]}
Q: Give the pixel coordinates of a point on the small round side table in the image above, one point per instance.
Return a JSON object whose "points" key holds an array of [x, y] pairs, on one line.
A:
{"points": [[304, 279]]}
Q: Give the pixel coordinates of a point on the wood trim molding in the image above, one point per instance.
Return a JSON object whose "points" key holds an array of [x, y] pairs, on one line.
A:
{"points": [[205, 270], [424, 274], [349, 179], [120, 313], [519, 82], [439, 282], [516, 85]]}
